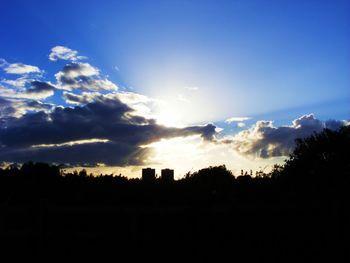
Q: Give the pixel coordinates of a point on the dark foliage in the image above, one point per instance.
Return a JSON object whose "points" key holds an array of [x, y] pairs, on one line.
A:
{"points": [[297, 212]]}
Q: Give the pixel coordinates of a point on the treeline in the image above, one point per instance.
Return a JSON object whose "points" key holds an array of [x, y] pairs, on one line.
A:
{"points": [[298, 212], [319, 166]]}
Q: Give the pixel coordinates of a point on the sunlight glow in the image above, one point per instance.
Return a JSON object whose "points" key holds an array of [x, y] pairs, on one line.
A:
{"points": [[71, 143], [168, 117], [178, 106], [186, 154]]}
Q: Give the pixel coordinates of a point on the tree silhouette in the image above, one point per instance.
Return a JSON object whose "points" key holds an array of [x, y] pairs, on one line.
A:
{"points": [[300, 204], [321, 158]]}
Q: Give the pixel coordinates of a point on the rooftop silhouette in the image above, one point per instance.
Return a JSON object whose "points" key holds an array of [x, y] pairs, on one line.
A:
{"points": [[148, 174]]}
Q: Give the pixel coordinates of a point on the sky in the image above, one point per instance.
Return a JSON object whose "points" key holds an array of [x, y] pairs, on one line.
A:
{"points": [[120, 85]]}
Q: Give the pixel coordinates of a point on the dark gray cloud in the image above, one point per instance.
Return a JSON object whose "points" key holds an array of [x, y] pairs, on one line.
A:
{"points": [[207, 132], [264, 140], [90, 154], [11, 108], [6, 108], [40, 86], [117, 135]]}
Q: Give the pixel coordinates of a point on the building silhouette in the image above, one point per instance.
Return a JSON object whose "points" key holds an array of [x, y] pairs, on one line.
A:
{"points": [[167, 175], [148, 174]]}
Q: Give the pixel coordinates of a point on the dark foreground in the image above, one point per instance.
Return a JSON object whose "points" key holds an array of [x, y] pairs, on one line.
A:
{"points": [[297, 213], [254, 233]]}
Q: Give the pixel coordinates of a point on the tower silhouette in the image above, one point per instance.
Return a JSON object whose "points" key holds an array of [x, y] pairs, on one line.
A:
{"points": [[167, 175], [148, 174]]}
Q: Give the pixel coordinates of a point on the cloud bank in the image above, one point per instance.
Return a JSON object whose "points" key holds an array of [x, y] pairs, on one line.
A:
{"points": [[95, 123], [123, 135], [263, 140]]}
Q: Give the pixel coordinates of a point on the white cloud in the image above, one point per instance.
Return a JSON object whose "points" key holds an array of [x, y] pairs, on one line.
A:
{"points": [[70, 143], [237, 119], [64, 53], [129, 98], [139, 103], [82, 76], [78, 99], [19, 68], [240, 124], [19, 82], [132, 97], [100, 84], [74, 70]]}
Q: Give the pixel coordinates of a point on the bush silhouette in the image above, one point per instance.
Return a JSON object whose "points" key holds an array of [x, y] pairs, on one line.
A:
{"points": [[322, 158]]}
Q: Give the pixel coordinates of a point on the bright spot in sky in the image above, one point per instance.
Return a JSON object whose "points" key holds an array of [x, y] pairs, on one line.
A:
{"points": [[191, 154], [179, 106], [169, 117]]}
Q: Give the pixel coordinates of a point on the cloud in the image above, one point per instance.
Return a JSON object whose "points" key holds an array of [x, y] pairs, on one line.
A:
{"points": [[137, 102], [106, 131], [140, 104], [70, 143], [240, 124], [7, 109], [237, 119], [19, 68], [104, 126], [15, 108], [41, 87], [129, 98], [19, 82], [264, 140], [64, 53], [78, 99], [38, 90], [132, 98], [77, 75], [71, 71]]}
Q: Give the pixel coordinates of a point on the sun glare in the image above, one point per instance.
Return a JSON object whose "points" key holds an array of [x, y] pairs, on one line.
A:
{"points": [[169, 118]]}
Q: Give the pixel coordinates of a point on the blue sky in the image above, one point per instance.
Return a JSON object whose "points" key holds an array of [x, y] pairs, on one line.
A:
{"points": [[206, 60]]}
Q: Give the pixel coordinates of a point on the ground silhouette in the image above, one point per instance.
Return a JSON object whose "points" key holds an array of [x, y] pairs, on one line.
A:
{"points": [[297, 212]]}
